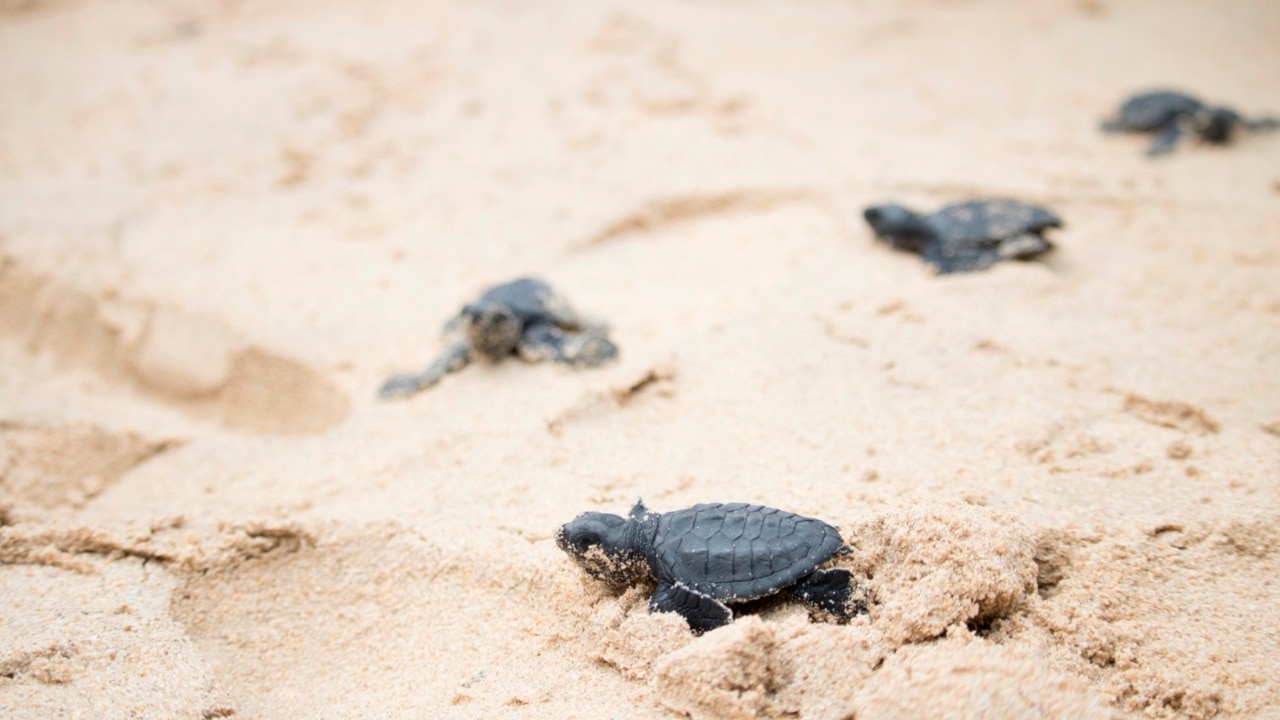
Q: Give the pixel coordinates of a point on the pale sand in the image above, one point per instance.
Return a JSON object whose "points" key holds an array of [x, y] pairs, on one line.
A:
{"points": [[223, 224]]}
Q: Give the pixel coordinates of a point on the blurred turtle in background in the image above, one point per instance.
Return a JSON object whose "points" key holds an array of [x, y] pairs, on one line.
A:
{"points": [[1172, 115], [966, 236], [524, 317]]}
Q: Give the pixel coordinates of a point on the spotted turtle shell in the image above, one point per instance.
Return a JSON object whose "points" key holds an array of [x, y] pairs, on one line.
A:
{"points": [[735, 551], [978, 222]]}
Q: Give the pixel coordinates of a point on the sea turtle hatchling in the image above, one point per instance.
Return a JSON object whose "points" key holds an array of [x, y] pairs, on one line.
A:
{"points": [[711, 556], [1172, 115], [966, 236], [524, 317]]}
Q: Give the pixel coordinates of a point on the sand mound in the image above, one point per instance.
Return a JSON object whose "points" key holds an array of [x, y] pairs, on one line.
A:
{"points": [[732, 673], [632, 639], [757, 668], [1142, 615], [931, 567], [972, 679]]}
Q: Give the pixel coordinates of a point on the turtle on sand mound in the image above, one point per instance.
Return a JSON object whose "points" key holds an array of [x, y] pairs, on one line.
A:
{"points": [[708, 557]]}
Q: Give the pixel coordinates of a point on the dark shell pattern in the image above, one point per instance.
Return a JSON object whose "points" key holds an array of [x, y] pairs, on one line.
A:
{"points": [[735, 551], [528, 298], [989, 221], [1152, 110]]}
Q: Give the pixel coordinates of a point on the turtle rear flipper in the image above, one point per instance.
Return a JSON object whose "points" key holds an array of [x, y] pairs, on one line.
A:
{"points": [[1024, 246], [566, 317], [950, 258], [1166, 140], [453, 359], [589, 349], [702, 612], [828, 590], [544, 341]]}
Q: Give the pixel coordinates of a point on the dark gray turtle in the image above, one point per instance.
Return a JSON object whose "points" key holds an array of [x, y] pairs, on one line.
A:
{"points": [[523, 317], [711, 556], [966, 236], [1172, 115]]}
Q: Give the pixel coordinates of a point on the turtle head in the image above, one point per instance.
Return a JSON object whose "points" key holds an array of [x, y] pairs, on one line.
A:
{"points": [[899, 227], [1216, 124], [605, 546], [491, 328]]}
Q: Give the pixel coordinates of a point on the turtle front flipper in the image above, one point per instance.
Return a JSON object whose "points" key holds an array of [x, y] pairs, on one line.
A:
{"points": [[1263, 124], [950, 258], [828, 590], [1024, 246], [702, 612], [1166, 140], [453, 359], [544, 341]]}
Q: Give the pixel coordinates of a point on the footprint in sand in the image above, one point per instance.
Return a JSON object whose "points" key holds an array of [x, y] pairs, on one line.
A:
{"points": [[187, 359]]}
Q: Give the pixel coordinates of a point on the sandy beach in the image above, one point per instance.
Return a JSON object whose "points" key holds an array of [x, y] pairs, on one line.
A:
{"points": [[224, 224]]}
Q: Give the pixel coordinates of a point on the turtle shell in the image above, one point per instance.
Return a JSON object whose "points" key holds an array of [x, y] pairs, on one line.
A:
{"points": [[527, 298], [735, 552], [1155, 109], [989, 221]]}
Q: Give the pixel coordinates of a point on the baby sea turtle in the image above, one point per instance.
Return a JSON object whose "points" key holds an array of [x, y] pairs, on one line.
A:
{"points": [[966, 236], [523, 317], [711, 556], [1172, 115]]}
